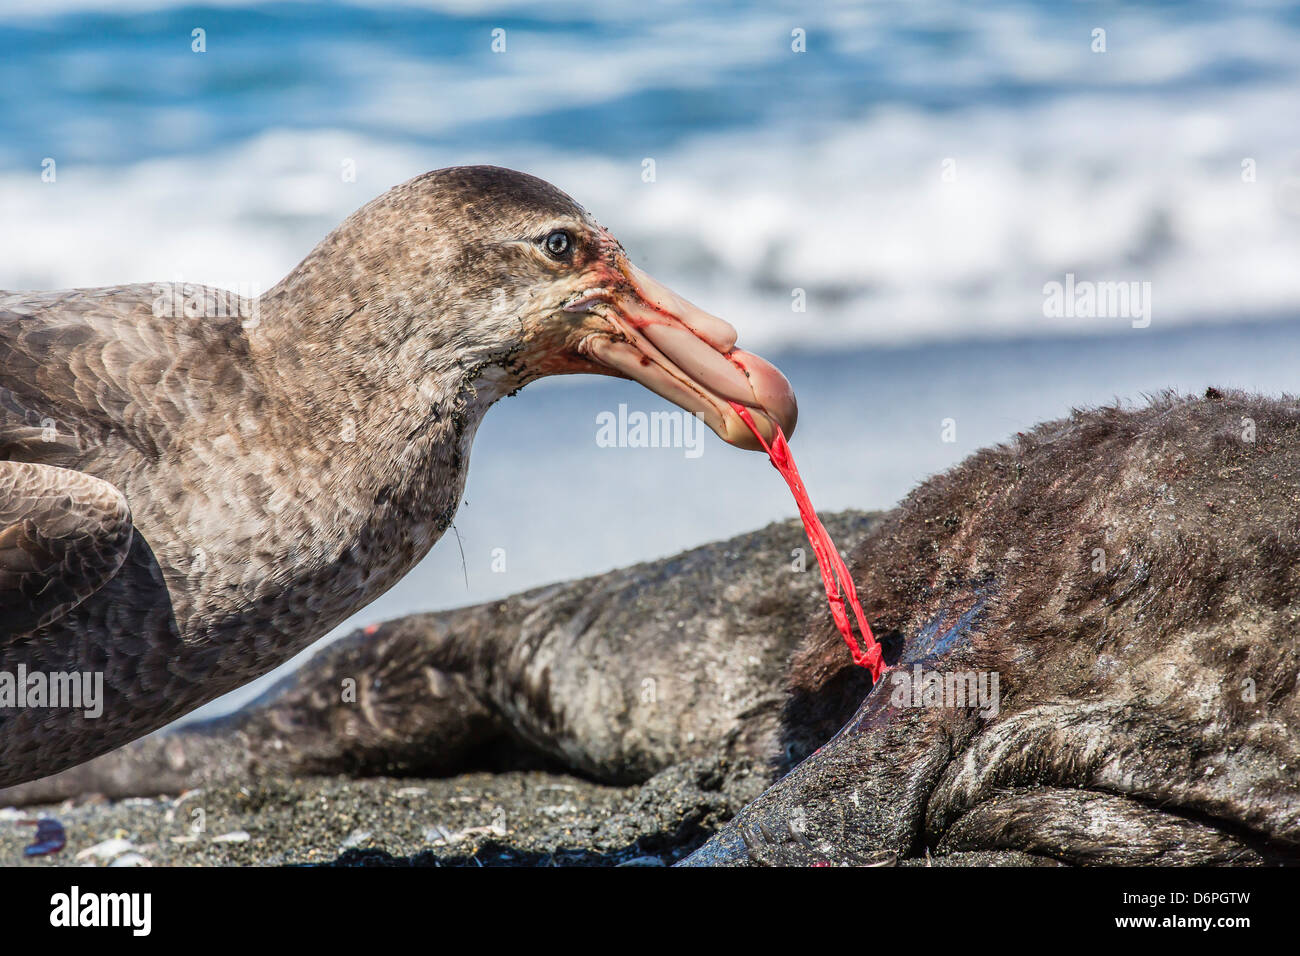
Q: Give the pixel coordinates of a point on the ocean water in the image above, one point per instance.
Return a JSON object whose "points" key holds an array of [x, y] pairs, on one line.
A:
{"points": [[915, 177], [822, 171]]}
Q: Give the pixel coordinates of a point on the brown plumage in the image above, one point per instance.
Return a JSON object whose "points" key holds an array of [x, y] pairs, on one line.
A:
{"points": [[193, 487]]}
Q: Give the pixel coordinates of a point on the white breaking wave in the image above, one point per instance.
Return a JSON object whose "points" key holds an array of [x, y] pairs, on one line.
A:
{"points": [[859, 217]]}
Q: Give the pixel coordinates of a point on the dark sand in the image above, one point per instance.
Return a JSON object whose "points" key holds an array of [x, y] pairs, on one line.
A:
{"points": [[481, 819]]}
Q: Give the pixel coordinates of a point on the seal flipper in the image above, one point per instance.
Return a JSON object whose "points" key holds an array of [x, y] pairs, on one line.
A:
{"points": [[371, 703], [861, 797]]}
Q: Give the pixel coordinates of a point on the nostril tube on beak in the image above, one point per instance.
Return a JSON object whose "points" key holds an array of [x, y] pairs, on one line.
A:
{"points": [[717, 332]]}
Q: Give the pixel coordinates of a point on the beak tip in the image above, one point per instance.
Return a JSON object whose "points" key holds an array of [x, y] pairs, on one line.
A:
{"points": [[773, 394]]}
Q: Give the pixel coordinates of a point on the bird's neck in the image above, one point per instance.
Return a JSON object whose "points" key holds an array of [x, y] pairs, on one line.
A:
{"points": [[375, 434]]}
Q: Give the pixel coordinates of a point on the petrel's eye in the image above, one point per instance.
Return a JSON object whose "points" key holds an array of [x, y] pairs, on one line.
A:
{"points": [[558, 244]]}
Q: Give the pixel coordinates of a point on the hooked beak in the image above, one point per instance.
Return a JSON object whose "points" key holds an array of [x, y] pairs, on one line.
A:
{"points": [[682, 353]]}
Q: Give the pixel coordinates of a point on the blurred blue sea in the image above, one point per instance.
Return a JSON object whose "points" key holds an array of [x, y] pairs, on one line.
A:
{"points": [[920, 172]]}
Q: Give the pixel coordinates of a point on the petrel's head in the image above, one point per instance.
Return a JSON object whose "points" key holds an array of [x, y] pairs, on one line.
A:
{"points": [[518, 276]]}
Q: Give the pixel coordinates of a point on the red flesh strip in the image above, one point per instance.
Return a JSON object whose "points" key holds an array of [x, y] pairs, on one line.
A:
{"points": [[828, 556]]}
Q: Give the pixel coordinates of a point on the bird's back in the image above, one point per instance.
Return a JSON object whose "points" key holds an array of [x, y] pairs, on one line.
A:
{"points": [[106, 379], [112, 384]]}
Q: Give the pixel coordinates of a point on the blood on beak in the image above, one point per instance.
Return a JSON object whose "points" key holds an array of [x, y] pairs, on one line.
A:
{"points": [[684, 354]]}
